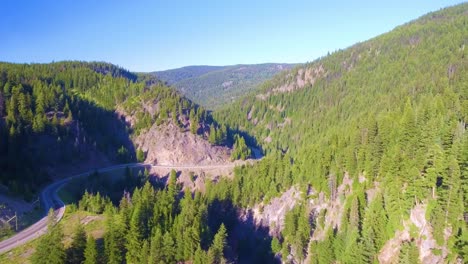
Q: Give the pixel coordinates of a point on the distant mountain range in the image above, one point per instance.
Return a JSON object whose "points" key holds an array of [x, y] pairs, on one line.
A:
{"points": [[214, 86]]}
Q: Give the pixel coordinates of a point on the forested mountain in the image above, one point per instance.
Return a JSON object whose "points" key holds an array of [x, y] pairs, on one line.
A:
{"points": [[176, 75], [214, 86], [366, 156], [372, 135], [58, 114]]}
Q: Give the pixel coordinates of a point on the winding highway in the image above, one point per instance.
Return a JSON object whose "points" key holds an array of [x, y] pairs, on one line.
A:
{"points": [[50, 199]]}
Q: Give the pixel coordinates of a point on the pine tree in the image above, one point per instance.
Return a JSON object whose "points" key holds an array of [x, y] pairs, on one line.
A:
{"points": [[408, 253], [451, 194], [168, 250], [7, 89], [373, 228], [409, 127], [212, 135], [275, 245], [200, 257], [39, 117], [90, 253], [223, 134], [191, 242], [240, 149], [172, 187], [322, 251], [355, 214], [193, 122], [67, 112], [135, 235], [50, 249], [156, 247], [140, 155], [174, 116], [38, 123], [114, 239], [144, 253], [75, 254], [180, 233], [219, 243]]}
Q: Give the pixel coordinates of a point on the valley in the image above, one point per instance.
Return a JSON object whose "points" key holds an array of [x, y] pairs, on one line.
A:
{"points": [[359, 156], [215, 86], [51, 201]]}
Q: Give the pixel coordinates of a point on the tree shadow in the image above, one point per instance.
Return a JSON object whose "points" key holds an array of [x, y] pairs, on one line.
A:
{"points": [[250, 140], [247, 243], [108, 131], [91, 138], [113, 184]]}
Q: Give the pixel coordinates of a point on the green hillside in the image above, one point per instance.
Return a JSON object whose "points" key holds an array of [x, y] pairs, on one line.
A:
{"points": [[176, 75], [390, 112], [61, 114], [214, 86], [365, 155]]}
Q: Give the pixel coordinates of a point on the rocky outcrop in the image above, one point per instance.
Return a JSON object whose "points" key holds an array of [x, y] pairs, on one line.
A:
{"points": [[168, 144], [302, 78], [273, 213], [424, 240]]}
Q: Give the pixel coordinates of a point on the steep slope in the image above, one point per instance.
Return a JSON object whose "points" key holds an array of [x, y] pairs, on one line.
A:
{"points": [[214, 86], [58, 116], [172, 145], [171, 130], [389, 112], [61, 117]]}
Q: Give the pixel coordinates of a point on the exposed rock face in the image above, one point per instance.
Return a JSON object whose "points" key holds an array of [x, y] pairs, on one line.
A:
{"points": [[334, 207], [272, 215], [425, 240], [303, 77], [391, 249], [168, 144]]}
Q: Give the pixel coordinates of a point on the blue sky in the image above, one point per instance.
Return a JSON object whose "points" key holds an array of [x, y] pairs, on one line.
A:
{"points": [[157, 35]]}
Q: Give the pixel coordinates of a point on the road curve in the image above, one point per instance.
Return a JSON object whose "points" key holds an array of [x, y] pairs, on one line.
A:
{"points": [[50, 200]]}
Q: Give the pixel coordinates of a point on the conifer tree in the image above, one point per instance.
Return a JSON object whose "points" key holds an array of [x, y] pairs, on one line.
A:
{"points": [[114, 239], [168, 250], [50, 249], [75, 254], [191, 242], [144, 253], [135, 236], [219, 243], [240, 149], [212, 135], [200, 257], [172, 187], [155, 255], [193, 121], [140, 155], [90, 253], [408, 254], [373, 228]]}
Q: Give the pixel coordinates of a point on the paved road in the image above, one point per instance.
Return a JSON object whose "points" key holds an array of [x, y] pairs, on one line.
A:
{"points": [[50, 199], [192, 167]]}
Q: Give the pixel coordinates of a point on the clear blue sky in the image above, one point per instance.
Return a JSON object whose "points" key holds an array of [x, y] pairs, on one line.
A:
{"points": [[157, 35]]}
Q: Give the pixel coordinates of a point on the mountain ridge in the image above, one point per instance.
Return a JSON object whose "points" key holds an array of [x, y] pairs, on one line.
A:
{"points": [[214, 86], [71, 109], [366, 158], [376, 115]]}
